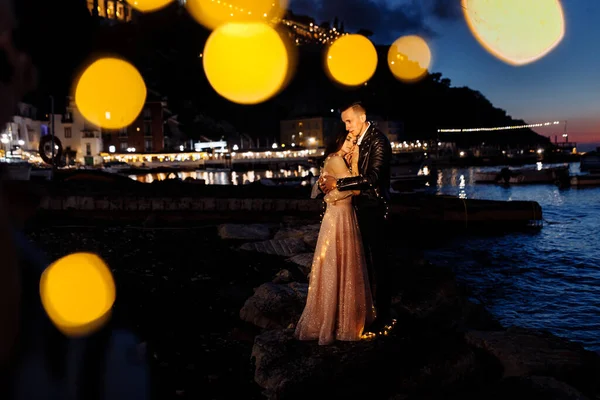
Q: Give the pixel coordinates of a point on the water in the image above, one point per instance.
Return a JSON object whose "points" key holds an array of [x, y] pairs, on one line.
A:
{"points": [[228, 177], [546, 280]]}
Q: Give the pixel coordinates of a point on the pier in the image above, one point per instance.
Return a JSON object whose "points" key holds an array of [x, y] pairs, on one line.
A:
{"points": [[105, 195]]}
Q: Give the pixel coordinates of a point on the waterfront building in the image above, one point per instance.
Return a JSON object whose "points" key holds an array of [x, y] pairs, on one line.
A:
{"points": [[145, 135], [81, 140], [309, 132], [111, 10], [22, 133]]}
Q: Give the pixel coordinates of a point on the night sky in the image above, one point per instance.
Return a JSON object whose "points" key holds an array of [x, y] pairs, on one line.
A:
{"points": [[565, 85]]}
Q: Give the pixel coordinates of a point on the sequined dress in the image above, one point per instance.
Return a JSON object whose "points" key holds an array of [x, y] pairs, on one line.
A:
{"points": [[339, 303]]}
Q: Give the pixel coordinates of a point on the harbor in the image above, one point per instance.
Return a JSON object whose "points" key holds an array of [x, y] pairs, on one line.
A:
{"points": [[514, 273], [517, 216], [166, 237]]}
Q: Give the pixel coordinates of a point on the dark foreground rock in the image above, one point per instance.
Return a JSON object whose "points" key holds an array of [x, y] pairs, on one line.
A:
{"points": [[217, 314], [443, 346]]}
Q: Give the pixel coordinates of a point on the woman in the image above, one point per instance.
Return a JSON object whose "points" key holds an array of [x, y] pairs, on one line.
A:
{"points": [[339, 303]]}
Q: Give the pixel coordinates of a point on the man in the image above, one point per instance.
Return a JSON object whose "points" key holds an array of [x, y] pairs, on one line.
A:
{"points": [[374, 152]]}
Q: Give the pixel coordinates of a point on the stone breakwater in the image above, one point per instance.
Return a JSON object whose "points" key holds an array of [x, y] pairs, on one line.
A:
{"points": [[111, 196]]}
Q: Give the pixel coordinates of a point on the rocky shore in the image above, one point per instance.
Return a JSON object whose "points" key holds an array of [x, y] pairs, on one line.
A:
{"points": [[215, 307]]}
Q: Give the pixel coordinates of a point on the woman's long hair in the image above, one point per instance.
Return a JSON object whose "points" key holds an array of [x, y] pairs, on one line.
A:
{"points": [[336, 143]]}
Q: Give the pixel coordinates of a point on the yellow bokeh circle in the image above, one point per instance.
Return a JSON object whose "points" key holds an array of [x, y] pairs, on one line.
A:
{"points": [[247, 63], [110, 93], [148, 5], [213, 13], [78, 292], [409, 58], [351, 60], [515, 31]]}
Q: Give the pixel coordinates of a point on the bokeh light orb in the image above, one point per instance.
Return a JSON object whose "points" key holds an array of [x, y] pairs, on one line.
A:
{"points": [[110, 93], [148, 5], [409, 58], [213, 13], [247, 63], [78, 292], [351, 60], [515, 31]]}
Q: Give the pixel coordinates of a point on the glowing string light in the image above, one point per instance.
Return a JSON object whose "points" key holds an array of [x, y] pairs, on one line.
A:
{"points": [[498, 128]]}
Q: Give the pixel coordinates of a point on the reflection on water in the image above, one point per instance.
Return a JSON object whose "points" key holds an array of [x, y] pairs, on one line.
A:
{"points": [[226, 176], [461, 182], [545, 280]]}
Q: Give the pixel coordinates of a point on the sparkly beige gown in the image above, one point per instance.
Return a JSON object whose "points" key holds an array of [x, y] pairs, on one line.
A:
{"points": [[339, 302]]}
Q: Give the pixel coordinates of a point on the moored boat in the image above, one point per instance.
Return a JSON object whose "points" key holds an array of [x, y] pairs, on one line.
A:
{"points": [[585, 180], [506, 175], [16, 170], [590, 161]]}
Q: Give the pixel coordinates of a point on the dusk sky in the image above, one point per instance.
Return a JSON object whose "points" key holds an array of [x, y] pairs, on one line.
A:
{"points": [[564, 85]]}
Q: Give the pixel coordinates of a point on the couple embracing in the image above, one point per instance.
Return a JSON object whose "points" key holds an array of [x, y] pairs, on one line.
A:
{"points": [[349, 295]]}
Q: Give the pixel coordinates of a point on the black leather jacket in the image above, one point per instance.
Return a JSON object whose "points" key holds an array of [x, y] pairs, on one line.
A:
{"points": [[374, 158]]}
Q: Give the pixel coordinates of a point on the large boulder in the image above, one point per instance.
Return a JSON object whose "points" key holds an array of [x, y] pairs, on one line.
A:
{"points": [[275, 306], [284, 247], [527, 352], [244, 231]]}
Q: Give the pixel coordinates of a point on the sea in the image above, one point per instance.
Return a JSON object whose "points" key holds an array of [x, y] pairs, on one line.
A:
{"points": [[547, 279]]}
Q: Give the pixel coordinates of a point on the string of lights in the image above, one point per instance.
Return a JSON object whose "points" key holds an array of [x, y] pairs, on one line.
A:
{"points": [[498, 128], [302, 33]]}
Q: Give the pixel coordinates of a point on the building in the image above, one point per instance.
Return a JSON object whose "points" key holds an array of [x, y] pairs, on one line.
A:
{"points": [[81, 141], [23, 132], [309, 131], [392, 129], [145, 135], [304, 30], [117, 10]]}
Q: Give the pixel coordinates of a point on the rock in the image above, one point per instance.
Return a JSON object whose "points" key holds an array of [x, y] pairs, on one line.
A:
{"points": [[533, 388], [275, 306], [527, 352], [283, 276], [285, 247], [291, 369], [303, 262], [308, 233], [244, 232], [430, 293]]}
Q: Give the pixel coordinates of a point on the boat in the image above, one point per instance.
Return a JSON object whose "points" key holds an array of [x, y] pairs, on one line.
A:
{"points": [[16, 170], [409, 175], [116, 166], [583, 180], [552, 175], [410, 184], [590, 161], [41, 173]]}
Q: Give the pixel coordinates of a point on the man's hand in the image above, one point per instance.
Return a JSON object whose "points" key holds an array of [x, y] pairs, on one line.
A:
{"points": [[327, 183]]}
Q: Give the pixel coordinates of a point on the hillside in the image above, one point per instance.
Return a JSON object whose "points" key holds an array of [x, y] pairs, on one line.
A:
{"points": [[165, 46]]}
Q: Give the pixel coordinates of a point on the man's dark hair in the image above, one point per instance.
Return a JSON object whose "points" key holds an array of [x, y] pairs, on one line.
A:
{"points": [[357, 106]]}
